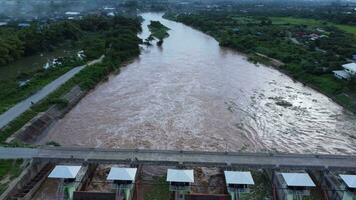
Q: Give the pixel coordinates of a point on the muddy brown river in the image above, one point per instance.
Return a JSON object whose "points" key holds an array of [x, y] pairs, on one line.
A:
{"points": [[191, 94]]}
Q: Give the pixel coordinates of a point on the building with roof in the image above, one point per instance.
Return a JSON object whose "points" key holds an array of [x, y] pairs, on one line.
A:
{"points": [[72, 15], [350, 68], [238, 183], [123, 181], [66, 174], [179, 182], [293, 186], [23, 25], [349, 186], [347, 73], [337, 185]]}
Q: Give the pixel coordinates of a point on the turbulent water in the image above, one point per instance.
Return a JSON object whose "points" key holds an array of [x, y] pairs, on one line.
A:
{"points": [[192, 94]]}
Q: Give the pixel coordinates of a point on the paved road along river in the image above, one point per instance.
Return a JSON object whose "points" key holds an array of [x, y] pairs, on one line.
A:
{"points": [[24, 105], [191, 94]]}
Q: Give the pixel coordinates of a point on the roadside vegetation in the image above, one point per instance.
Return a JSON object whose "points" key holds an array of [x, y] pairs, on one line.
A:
{"points": [[308, 50], [120, 44], [158, 31], [9, 169], [12, 92]]}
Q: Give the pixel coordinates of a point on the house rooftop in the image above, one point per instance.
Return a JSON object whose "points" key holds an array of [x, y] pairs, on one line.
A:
{"points": [[122, 174], [238, 178], [298, 180], [24, 25], [342, 73], [350, 180], [179, 175], [72, 13], [64, 171], [350, 66]]}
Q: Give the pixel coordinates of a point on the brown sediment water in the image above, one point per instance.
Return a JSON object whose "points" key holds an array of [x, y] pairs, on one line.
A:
{"points": [[191, 94]]}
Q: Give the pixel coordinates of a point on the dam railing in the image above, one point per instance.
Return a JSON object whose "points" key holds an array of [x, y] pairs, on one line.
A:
{"points": [[185, 158]]}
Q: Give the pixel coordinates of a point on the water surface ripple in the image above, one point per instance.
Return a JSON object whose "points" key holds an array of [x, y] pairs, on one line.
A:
{"points": [[191, 94]]}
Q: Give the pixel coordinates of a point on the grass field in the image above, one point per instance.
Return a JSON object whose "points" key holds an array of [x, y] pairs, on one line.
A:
{"points": [[312, 22], [347, 28]]}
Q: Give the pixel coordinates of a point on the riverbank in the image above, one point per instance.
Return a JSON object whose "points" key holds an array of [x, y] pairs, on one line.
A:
{"points": [[116, 53], [312, 68], [13, 91], [22, 106], [192, 94], [348, 104], [90, 35]]}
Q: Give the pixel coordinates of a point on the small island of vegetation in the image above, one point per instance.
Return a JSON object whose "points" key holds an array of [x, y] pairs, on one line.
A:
{"points": [[158, 31]]}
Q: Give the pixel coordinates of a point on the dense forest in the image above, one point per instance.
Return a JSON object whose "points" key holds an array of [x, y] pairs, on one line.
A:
{"points": [[16, 42], [309, 52]]}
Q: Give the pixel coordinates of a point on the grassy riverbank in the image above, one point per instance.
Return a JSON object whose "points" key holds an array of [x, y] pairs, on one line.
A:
{"points": [[120, 44], [309, 49]]}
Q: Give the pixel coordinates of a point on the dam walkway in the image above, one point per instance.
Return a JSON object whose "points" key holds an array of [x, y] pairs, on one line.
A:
{"points": [[184, 158]]}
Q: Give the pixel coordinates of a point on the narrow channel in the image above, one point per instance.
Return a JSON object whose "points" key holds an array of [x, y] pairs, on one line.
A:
{"points": [[191, 94]]}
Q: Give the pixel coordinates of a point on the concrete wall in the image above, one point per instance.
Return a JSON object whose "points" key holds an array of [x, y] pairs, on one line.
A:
{"points": [[25, 177], [87, 177], [36, 127], [80, 195]]}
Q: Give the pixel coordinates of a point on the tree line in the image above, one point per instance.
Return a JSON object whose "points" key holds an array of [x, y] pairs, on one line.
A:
{"points": [[16, 42]]}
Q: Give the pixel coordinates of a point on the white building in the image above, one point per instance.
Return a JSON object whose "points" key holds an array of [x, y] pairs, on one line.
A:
{"points": [[293, 186], [123, 181], [66, 174], [70, 13], [238, 183], [350, 68], [179, 182], [347, 73]]}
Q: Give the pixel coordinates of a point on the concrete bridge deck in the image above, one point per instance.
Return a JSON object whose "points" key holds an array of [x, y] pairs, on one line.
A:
{"points": [[186, 158]]}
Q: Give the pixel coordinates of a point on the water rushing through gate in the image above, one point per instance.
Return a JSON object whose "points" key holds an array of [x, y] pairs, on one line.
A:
{"points": [[191, 94]]}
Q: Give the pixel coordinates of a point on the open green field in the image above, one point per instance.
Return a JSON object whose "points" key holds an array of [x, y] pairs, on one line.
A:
{"points": [[347, 28], [296, 21], [311, 22]]}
